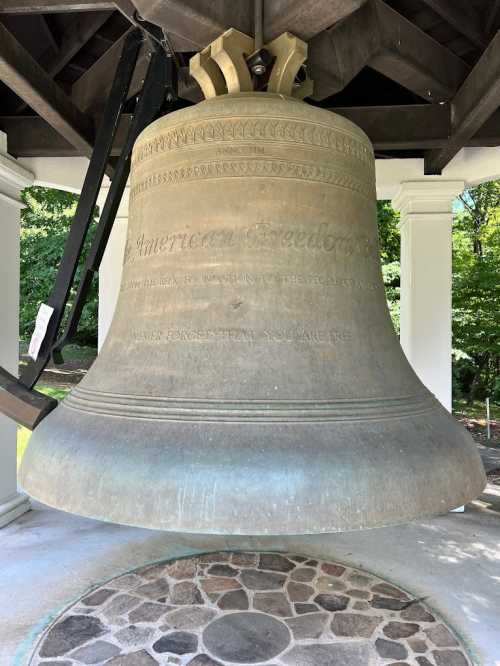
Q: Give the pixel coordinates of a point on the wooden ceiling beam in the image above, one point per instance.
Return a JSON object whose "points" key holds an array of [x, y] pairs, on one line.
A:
{"points": [[74, 38], [202, 21], [413, 59], [409, 127], [53, 6], [20, 72], [305, 18], [476, 100], [462, 16], [378, 36], [90, 91]]}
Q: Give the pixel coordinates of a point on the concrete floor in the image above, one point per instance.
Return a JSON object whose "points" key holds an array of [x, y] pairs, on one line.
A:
{"points": [[48, 559]]}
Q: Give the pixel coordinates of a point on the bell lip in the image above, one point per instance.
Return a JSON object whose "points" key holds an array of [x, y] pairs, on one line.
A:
{"points": [[312, 494], [244, 533]]}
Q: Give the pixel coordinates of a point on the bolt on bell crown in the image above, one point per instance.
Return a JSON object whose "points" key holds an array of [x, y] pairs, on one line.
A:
{"points": [[251, 381]]}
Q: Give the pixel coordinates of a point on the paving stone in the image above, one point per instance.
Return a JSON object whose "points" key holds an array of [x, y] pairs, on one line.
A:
{"points": [[354, 624], [358, 594], [56, 663], [302, 608], [389, 591], [351, 654], [275, 562], [190, 617], [332, 602], [153, 571], [131, 636], [388, 603], [219, 584], [399, 663], [417, 613], [423, 661], [98, 597], [214, 557], [397, 630], [178, 642], [262, 580], [332, 569], [147, 612], [311, 563], [329, 584], [299, 591], [121, 604], [140, 658], [418, 645], [361, 605], [127, 582], [70, 633], [449, 658], [244, 559], [234, 600], [358, 580], [222, 570], [274, 603], [298, 558], [182, 569], [156, 589], [96, 652], [390, 649], [310, 625], [303, 574], [440, 636], [246, 637], [186, 592], [204, 660]]}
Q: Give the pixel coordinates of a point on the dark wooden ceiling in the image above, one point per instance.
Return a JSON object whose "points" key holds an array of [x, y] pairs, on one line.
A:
{"points": [[422, 77]]}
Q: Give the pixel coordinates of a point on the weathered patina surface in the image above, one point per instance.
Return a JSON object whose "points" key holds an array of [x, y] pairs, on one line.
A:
{"points": [[252, 382]]}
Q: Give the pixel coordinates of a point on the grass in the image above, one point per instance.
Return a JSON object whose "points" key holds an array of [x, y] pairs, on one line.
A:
{"points": [[476, 411], [70, 353], [23, 434]]}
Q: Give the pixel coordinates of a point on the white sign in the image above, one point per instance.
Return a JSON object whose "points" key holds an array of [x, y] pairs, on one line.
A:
{"points": [[41, 323]]}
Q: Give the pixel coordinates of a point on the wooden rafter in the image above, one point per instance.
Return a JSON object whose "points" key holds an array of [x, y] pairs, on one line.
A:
{"points": [[306, 18], [53, 6], [474, 103], [463, 17], [20, 72], [378, 36]]}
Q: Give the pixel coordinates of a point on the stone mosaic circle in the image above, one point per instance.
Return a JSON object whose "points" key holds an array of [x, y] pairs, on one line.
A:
{"points": [[249, 608]]}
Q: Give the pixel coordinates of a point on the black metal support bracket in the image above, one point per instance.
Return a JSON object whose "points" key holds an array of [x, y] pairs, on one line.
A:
{"points": [[18, 400]]}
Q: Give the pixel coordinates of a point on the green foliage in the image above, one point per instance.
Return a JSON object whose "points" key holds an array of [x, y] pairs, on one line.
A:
{"points": [[389, 239], [476, 293], [45, 224]]}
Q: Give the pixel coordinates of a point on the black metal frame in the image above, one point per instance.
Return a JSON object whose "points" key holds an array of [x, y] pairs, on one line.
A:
{"points": [[18, 400]]}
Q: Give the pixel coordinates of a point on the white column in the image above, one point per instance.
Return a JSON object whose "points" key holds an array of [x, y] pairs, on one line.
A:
{"points": [[110, 271], [425, 318], [13, 178]]}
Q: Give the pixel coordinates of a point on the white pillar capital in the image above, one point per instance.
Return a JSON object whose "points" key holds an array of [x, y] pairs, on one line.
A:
{"points": [[13, 178], [426, 207], [431, 195]]}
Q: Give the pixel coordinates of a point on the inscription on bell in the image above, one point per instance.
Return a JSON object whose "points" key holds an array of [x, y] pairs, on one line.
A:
{"points": [[260, 236], [247, 279], [248, 335]]}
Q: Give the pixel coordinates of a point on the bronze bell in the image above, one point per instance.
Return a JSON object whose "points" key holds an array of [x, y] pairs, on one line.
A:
{"points": [[251, 381]]}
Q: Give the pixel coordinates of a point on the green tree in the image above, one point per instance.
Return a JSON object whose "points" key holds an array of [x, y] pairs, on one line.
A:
{"points": [[45, 224], [476, 293], [389, 239]]}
